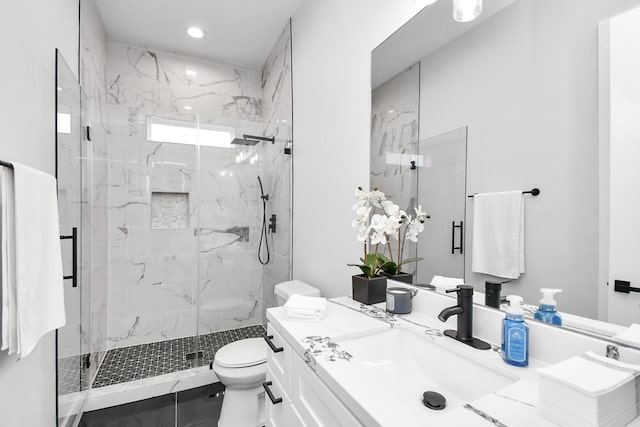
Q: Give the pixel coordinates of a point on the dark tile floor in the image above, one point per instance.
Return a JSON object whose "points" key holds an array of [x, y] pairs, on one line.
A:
{"points": [[72, 377], [149, 360], [198, 407]]}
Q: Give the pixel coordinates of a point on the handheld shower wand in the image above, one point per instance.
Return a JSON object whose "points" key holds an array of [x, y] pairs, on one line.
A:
{"points": [[263, 233]]}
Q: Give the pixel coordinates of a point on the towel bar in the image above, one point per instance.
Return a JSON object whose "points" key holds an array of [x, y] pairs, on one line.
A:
{"points": [[624, 286], [533, 192]]}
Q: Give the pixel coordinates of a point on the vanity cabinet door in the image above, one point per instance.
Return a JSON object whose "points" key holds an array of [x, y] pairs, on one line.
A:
{"points": [[277, 414], [314, 403], [279, 360]]}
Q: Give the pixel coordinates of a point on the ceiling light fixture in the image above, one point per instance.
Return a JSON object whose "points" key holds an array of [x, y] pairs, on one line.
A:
{"points": [[195, 32], [187, 107], [466, 10]]}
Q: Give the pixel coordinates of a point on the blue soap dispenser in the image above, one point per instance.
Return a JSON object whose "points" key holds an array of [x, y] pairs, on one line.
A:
{"points": [[548, 311], [515, 334]]}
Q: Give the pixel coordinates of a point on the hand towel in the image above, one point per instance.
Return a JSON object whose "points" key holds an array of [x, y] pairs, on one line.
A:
{"points": [[7, 262], [303, 308], [39, 283], [442, 283], [630, 336], [498, 234], [591, 373]]}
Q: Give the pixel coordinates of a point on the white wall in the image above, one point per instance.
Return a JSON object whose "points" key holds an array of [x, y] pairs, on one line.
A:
{"points": [[332, 44], [29, 33]]}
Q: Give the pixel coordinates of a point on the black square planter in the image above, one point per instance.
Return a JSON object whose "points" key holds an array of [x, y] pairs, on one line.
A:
{"points": [[402, 277], [369, 291]]}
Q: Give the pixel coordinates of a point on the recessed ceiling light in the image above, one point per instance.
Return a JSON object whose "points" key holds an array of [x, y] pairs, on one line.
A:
{"points": [[187, 107], [195, 32], [190, 73]]}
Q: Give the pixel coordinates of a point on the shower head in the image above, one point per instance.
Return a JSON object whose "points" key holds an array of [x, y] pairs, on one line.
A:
{"points": [[243, 141], [251, 140]]}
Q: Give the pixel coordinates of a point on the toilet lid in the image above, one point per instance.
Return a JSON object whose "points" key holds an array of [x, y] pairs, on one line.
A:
{"points": [[243, 353]]}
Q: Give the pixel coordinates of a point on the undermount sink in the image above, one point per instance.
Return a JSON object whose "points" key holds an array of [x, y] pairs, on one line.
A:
{"points": [[405, 364]]}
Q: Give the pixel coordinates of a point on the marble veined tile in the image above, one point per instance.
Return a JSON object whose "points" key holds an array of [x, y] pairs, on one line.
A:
{"points": [[137, 271], [134, 330], [177, 324]]}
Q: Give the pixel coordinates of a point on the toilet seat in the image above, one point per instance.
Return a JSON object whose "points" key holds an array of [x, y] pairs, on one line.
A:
{"points": [[241, 354]]}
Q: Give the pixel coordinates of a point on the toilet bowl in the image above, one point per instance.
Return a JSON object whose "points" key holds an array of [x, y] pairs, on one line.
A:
{"points": [[241, 367]]}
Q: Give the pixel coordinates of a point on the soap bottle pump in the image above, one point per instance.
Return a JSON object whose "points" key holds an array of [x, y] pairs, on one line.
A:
{"points": [[548, 312], [515, 334]]}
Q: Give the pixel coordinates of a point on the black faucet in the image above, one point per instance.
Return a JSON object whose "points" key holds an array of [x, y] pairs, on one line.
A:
{"points": [[464, 311]]}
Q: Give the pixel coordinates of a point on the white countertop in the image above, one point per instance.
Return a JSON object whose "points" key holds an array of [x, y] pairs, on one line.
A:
{"points": [[512, 405]]}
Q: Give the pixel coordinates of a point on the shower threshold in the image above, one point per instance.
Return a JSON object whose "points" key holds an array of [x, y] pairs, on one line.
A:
{"points": [[129, 374]]}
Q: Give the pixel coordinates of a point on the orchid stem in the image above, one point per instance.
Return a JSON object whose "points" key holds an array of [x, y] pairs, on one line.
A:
{"points": [[390, 251]]}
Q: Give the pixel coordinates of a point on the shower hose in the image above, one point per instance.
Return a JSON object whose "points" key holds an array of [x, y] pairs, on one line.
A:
{"points": [[263, 233]]}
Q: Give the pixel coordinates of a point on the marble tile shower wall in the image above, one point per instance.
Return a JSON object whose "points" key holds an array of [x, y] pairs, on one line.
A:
{"points": [[394, 138], [154, 291], [93, 59], [278, 115]]}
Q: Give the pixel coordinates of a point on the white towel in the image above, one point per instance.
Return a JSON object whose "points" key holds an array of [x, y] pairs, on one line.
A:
{"points": [[39, 283], [443, 283], [498, 234], [591, 373], [303, 308], [7, 262], [630, 336]]}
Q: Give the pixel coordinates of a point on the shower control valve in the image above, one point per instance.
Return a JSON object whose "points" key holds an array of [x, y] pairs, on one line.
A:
{"points": [[272, 224]]}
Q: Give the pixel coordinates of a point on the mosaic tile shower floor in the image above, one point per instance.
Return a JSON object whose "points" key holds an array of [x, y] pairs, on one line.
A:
{"points": [[149, 360]]}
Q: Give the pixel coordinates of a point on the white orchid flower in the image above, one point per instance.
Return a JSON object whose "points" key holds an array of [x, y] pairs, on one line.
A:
{"points": [[420, 214], [376, 198], [378, 222], [363, 234], [389, 207], [378, 238], [359, 223], [363, 212], [414, 228], [411, 236]]}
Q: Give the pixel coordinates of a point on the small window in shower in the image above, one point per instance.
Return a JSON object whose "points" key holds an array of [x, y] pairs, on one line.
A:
{"points": [[169, 210], [160, 129]]}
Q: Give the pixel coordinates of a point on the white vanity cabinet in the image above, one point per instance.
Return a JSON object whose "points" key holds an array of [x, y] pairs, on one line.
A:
{"points": [[300, 398]]}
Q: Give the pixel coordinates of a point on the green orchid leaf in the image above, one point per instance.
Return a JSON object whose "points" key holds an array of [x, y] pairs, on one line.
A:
{"points": [[366, 270], [384, 258]]}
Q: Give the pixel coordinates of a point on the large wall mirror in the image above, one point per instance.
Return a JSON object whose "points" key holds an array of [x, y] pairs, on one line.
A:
{"points": [[534, 83]]}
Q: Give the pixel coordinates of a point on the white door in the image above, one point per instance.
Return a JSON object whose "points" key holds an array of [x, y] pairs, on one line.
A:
{"points": [[624, 226]]}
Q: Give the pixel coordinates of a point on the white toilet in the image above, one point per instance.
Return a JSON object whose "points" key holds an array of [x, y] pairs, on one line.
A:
{"points": [[241, 367]]}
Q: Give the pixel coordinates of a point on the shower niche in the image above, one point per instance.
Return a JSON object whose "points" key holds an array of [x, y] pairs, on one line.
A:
{"points": [[169, 210]]}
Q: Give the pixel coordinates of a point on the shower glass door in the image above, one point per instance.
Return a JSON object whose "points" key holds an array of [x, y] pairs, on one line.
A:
{"points": [[230, 276], [74, 222], [244, 231]]}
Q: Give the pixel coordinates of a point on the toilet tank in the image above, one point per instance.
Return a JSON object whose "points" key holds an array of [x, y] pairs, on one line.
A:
{"points": [[285, 289]]}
